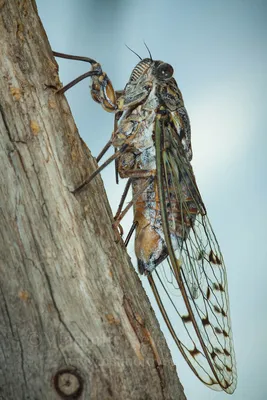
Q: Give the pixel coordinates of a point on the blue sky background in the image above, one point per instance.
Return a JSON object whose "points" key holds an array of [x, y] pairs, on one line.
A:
{"points": [[218, 49]]}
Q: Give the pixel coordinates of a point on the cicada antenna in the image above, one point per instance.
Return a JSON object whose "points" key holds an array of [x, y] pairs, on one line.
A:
{"points": [[133, 51], [149, 52]]}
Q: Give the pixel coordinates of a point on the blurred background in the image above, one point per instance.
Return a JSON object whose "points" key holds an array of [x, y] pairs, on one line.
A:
{"points": [[218, 50]]}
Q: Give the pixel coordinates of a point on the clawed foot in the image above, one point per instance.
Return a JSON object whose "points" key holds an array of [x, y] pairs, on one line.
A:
{"points": [[118, 230]]}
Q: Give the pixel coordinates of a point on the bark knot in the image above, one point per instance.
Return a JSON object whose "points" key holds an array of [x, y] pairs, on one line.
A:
{"points": [[68, 384]]}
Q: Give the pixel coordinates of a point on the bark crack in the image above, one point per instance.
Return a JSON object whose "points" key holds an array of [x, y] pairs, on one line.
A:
{"points": [[144, 336], [22, 362], [7, 128], [7, 313], [59, 314]]}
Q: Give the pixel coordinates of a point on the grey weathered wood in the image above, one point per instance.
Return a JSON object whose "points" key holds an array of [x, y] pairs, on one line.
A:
{"points": [[69, 299]]}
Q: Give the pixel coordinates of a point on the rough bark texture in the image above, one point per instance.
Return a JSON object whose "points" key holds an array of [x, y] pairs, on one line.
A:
{"points": [[75, 321]]}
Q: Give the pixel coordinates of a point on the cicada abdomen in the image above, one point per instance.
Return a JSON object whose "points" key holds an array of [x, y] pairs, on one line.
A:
{"points": [[175, 244], [150, 243]]}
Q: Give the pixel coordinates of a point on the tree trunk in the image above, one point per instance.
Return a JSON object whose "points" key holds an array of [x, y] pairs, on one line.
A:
{"points": [[75, 321]]}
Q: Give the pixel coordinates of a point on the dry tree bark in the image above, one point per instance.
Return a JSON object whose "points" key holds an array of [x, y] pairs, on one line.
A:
{"points": [[75, 321]]}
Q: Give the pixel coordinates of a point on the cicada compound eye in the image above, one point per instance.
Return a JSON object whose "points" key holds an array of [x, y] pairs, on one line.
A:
{"points": [[164, 71]]}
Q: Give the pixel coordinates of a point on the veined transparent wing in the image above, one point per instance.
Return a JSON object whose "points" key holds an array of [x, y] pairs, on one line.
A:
{"points": [[193, 278]]}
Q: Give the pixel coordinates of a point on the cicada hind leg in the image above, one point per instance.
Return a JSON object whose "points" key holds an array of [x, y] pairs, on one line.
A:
{"points": [[148, 177]]}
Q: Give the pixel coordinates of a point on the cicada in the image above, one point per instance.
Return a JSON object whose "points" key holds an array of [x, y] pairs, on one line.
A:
{"points": [[175, 245]]}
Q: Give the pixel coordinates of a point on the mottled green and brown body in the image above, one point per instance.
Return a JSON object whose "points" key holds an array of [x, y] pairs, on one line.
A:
{"points": [[151, 89]]}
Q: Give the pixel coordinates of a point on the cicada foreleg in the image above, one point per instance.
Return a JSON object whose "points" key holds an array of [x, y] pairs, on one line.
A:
{"points": [[102, 90]]}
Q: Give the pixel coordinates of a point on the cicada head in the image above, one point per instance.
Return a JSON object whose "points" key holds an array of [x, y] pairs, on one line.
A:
{"points": [[151, 80], [155, 70]]}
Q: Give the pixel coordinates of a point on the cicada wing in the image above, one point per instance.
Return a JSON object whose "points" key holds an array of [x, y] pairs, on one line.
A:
{"points": [[194, 283]]}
